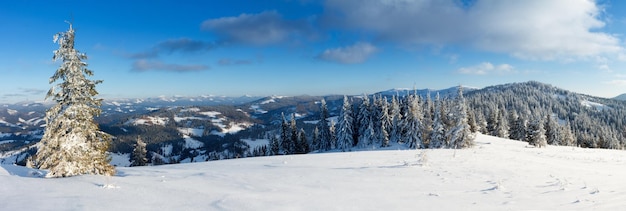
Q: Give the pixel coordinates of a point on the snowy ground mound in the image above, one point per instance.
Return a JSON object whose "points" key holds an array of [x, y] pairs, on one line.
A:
{"points": [[496, 174]]}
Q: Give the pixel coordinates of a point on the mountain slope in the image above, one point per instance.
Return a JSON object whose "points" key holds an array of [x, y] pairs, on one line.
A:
{"points": [[496, 174], [620, 97]]}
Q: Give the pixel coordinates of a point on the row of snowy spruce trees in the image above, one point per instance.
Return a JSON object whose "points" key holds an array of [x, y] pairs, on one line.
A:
{"points": [[380, 122], [414, 122]]}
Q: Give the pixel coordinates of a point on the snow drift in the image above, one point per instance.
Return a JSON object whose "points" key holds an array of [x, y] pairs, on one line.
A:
{"points": [[496, 174]]}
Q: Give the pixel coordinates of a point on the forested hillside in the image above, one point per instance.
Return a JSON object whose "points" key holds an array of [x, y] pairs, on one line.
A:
{"points": [[508, 110], [533, 112]]}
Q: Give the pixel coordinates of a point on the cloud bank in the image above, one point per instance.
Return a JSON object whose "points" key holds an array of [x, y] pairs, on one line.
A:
{"points": [[529, 29], [486, 68], [182, 45], [353, 54], [143, 65], [264, 28]]}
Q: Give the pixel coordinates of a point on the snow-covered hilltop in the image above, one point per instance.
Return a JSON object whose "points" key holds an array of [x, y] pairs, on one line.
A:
{"points": [[496, 174]]}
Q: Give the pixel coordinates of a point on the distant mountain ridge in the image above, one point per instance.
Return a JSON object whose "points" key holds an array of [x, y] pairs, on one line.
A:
{"points": [[187, 129], [443, 93], [621, 97]]}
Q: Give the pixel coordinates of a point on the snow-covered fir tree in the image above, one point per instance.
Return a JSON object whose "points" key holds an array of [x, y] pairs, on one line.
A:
{"points": [[274, 145], [293, 127], [460, 135], [285, 135], [481, 123], [413, 123], [471, 120], [518, 129], [375, 114], [437, 136], [567, 136], [364, 122], [302, 145], [492, 121], [333, 135], [367, 136], [502, 128], [324, 128], [345, 129], [512, 123], [138, 157], [385, 122], [315, 143], [427, 120], [552, 131], [72, 143], [396, 116], [535, 134]]}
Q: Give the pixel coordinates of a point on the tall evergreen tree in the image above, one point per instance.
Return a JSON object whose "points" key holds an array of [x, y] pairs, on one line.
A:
{"points": [[492, 122], [413, 123], [512, 124], [316, 140], [481, 123], [396, 117], [365, 123], [460, 135], [138, 157], [427, 120], [385, 122], [376, 113], [518, 129], [72, 143], [471, 120], [437, 136], [302, 145], [502, 128], [324, 127], [333, 135], [367, 136], [294, 134], [536, 134], [345, 128], [552, 131], [567, 136], [285, 135], [274, 145]]}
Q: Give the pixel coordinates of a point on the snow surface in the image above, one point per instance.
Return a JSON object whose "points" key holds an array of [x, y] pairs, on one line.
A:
{"points": [[212, 114], [148, 120], [257, 109], [496, 174], [120, 159], [597, 106], [197, 132], [232, 127], [191, 143], [12, 112]]}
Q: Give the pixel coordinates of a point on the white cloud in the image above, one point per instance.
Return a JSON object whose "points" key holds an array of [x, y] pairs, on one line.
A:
{"points": [[353, 54], [487, 68], [605, 68], [143, 65], [529, 29], [258, 29], [617, 82]]}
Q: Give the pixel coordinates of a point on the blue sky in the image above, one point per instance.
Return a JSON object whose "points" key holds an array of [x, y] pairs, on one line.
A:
{"points": [[292, 47]]}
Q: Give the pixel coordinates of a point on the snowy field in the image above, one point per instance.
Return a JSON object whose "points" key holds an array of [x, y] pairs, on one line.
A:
{"points": [[496, 174]]}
